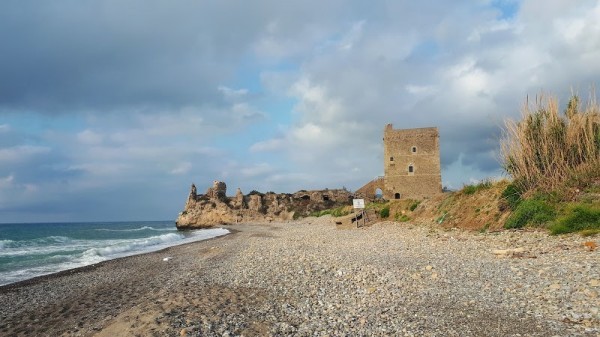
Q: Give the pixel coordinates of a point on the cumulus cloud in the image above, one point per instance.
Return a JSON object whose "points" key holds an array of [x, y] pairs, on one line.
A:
{"points": [[106, 105]]}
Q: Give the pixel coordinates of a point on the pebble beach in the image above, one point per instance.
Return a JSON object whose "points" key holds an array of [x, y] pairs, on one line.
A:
{"points": [[307, 278]]}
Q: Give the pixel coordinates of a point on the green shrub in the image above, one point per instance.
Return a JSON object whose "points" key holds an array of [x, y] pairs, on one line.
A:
{"points": [[471, 189], [512, 195], [414, 205], [255, 192], [589, 232], [403, 218], [577, 218], [530, 212], [340, 211], [321, 213], [385, 212]]}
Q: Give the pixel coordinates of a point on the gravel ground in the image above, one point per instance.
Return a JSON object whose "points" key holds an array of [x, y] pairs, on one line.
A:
{"points": [[308, 279]]}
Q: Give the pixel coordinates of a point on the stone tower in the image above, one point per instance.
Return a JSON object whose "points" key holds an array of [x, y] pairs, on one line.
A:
{"points": [[411, 161]]}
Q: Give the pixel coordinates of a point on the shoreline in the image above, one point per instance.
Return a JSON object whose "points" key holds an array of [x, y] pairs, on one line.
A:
{"points": [[90, 267], [306, 277], [143, 250]]}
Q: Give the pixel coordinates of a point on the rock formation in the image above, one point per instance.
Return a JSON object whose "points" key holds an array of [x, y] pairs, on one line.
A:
{"points": [[215, 208]]}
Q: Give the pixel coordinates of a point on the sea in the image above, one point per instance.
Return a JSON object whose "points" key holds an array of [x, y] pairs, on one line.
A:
{"points": [[35, 249]]}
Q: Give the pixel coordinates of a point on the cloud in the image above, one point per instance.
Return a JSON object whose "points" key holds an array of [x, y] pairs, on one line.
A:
{"points": [[105, 105], [262, 169], [232, 94], [21, 153], [89, 137], [182, 168], [268, 145]]}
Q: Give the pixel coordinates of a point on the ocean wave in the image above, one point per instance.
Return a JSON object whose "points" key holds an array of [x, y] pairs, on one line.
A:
{"points": [[133, 245], [6, 243], [45, 241], [144, 228], [78, 253]]}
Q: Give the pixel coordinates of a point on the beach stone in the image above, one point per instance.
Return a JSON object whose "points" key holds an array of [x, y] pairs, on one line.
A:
{"points": [[306, 278], [554, 286]]}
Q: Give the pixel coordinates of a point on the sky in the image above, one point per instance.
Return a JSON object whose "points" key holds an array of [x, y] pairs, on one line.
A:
{"points": [[110, 110]]}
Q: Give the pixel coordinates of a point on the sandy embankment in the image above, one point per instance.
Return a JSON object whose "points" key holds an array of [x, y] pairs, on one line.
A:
{"points": [[307, 278]]}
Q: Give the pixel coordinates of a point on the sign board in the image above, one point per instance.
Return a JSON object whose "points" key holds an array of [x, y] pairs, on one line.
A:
{"points": [[358, 203]]}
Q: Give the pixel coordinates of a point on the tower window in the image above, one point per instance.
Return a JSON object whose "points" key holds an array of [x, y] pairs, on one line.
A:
{"points": [[411, 169], [391, 158], [414, 149]]}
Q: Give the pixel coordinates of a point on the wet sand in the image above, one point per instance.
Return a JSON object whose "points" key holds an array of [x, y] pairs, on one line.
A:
{"points": [[307, 278]]}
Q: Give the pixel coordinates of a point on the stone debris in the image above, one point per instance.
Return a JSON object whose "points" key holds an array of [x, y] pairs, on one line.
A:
{"points": [[306, 278]]}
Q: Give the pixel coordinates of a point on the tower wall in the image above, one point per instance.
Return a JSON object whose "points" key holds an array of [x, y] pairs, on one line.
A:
{"points": [[411, 163]]}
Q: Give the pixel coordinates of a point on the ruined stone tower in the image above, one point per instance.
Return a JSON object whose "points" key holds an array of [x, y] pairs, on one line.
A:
{"points": [[411, 163]]}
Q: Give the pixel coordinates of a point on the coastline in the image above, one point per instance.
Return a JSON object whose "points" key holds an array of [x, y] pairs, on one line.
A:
{"points": [[91, 267], [307, 277]]}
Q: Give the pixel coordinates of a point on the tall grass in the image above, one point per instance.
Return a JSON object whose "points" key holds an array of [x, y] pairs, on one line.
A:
{"points": [[547, 149]]}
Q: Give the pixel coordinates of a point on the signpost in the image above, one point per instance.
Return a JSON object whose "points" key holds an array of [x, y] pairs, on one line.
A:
{"points": [[360, 205]]}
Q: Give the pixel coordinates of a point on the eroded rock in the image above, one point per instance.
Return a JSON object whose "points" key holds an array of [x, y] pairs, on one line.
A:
{"points": [[215, 208]]}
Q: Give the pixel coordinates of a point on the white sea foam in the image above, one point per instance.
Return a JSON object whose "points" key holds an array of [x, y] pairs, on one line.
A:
{"points": [[5, 243], [44, 247], [65, 253], [144, 228], [134, 245]]}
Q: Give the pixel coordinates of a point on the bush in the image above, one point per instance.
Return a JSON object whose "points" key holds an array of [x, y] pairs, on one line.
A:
{"points": [[577, 218], [385, 212], [414, 205], [402, 218], [321, 213], [471, 189], [512, 195], [255, 192], [546, 149], [340, 211], [530, 212]]}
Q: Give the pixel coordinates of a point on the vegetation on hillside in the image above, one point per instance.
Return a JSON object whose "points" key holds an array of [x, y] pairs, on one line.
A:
{"points": [[335, 212], [547, 151], [553, 159]]}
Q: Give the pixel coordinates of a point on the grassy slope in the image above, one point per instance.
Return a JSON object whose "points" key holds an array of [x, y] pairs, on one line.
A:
{"points": [[482, 208], [477, 209]]}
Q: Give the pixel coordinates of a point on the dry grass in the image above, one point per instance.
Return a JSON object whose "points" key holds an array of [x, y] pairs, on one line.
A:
{"points": [[478, 211], [547, 149]]}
